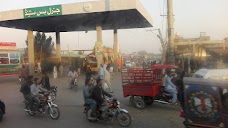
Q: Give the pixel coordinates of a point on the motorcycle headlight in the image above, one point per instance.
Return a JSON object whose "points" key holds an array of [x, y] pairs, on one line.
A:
{"points": [[49, 97]]}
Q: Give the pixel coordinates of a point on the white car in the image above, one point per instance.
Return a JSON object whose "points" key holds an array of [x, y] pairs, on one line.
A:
{"points": [[215, 74], [128, 64]]}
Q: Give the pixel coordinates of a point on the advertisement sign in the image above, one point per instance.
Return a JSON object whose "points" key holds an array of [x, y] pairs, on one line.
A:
{"points": [[8, 46]]}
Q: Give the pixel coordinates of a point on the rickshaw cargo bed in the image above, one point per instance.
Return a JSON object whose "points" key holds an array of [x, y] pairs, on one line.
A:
{"points": [[142, 90]]}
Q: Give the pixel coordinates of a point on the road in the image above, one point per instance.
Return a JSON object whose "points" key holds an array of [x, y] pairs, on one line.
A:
{"points": [[71, 103]]}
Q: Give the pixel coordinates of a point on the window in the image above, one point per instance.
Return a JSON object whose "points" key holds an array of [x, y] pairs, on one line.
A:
{"points": [[4, 60], [14, 61], [3, 55], [14, 58]]}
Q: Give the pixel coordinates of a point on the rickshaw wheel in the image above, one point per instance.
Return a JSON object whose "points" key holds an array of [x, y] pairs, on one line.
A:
{"points": [[131, 101], [139, 104]]}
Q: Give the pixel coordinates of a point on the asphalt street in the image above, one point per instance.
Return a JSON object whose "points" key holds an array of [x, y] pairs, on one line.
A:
{"points": [[70, 103]]}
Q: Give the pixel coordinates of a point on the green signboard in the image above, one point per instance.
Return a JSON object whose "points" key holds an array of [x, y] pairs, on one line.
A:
{"points": [[54, 10]]}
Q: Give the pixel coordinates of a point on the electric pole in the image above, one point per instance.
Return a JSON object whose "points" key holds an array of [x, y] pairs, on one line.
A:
{"points": [[171, 46]]}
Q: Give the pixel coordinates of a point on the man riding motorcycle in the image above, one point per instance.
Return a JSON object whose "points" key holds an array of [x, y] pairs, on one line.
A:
{"points": [[73, 75], [99, 95], [170, 87], [25, 89], [87, 94], [35, 89]]}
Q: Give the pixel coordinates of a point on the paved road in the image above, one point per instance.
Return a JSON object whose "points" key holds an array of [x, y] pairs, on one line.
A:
{"points": [[70, 103]]}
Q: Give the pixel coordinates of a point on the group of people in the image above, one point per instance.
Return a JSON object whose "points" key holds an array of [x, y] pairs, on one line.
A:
{"points": [[174, 86], [94, 96], [104, 74], [31, 87]]}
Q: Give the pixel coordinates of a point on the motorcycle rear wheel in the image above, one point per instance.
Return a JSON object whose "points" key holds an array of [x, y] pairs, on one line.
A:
{"points": [[124, 119], [88, 115], [55, 110]]}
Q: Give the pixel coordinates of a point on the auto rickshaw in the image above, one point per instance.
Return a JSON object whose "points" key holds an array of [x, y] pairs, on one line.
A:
{"points": [[205, 103]]}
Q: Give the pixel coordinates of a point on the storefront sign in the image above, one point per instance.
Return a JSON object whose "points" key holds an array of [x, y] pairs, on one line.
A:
{"points": [[7, 46], [54, 10]]}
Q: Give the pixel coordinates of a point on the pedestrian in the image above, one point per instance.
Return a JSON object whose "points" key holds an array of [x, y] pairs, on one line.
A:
{"points": [[101, 72], [111, 67], [108, 80], [45, 81], [61, 70]]}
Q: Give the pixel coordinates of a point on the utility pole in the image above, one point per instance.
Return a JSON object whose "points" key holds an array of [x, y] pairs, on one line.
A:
{"points": [[171, 47]]}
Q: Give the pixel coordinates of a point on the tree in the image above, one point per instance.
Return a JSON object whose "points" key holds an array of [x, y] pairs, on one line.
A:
{"points": [[142, 53], [41, 42]]}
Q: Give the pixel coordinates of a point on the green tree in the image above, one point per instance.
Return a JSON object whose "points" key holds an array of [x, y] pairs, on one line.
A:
{"points": [[44, 43]]}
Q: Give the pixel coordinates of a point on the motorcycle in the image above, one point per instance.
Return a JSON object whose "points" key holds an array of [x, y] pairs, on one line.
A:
{"points": [[74, 83], [53, 92], [163, 97], [46, 105], [2, 109], [113, 111]]}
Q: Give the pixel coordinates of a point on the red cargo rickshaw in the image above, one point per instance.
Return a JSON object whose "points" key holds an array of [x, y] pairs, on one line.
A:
{"points": [[144, 86]]}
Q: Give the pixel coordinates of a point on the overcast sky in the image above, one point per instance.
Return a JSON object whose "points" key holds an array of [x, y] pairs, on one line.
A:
{"points": [[191, 18]]}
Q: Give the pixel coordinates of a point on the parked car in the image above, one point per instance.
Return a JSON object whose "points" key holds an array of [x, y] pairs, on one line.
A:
{"points": [[215, 74]]}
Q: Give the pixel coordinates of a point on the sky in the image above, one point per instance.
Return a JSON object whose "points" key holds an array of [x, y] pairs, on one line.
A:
{"points": [[191, 18]]}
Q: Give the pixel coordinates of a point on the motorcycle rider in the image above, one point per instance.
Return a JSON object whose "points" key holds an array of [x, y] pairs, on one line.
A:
{"points": [[25, 89], [45, 80], [87, 94], [170, 87], [34, 89], [73, 75], [99, 95]]}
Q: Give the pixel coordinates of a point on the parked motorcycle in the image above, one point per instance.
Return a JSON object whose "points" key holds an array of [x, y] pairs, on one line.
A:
{"points": [[112, 112], [46, 106], [2, 109]]}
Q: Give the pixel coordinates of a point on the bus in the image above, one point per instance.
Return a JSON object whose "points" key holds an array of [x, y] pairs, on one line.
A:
{"points": [[10, 59]]}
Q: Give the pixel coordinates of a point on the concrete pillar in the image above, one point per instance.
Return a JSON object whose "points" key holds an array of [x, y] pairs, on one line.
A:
{"points": [[58, 47], [115, 50], [99, 46], [31, 56]]}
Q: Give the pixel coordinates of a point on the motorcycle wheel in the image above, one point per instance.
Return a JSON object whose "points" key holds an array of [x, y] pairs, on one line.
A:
{"points": [[124, 119], [31, 113], [139, 104], [53, 95], [54, 112], [88, 115]]}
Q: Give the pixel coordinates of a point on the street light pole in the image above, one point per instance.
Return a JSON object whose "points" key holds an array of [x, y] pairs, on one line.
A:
{"points": [[171, 47]]}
